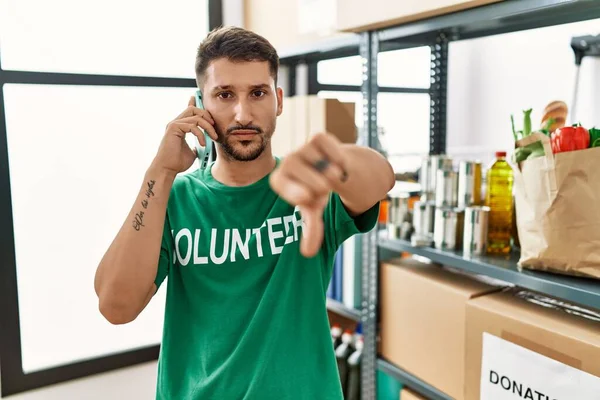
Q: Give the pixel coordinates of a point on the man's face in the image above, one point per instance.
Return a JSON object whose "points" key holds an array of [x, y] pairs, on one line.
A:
{"points": [[243, 101]]}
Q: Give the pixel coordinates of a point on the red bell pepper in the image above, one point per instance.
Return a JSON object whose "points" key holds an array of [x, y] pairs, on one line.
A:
{"points": [[570, 138]]}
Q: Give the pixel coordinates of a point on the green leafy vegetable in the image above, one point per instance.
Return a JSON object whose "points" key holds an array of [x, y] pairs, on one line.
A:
{"points": [[532, 150], [537, 150], [512, 122], [594, 137], [546, 128], [527, 122], [521, 154]]}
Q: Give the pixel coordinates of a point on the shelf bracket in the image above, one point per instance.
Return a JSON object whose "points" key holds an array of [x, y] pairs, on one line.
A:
{"points": [[438, 94]]}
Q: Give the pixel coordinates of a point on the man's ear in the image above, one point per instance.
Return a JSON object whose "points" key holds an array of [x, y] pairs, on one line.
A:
{"points": [[279, 101]]}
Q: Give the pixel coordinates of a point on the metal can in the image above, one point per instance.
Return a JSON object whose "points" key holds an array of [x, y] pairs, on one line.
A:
{"points": [[447, 230], [437, 162], [394, 231], [476, 230], [398, 213], [424, 178], [446, 194], [398, 210], [423, 217], [469, 184]]}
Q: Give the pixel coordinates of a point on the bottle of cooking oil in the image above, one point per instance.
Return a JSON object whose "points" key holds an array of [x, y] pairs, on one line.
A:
{"points": [[500, 201]]}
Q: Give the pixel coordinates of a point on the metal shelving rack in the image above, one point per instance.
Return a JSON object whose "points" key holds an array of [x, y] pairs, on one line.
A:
{"points": [[583, 291], [438, 32]]}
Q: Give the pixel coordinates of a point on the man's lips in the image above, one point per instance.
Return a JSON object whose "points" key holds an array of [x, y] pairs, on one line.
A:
{"points": [[244, 132]]}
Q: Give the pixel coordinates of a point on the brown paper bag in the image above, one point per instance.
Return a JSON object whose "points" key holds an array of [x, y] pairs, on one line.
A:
{"points": [[557, 201]]}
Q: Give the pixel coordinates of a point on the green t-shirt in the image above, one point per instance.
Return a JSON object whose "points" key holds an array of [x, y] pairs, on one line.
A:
{"points": [[245, 313]]}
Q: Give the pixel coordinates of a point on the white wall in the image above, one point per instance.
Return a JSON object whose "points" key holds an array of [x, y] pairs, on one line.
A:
{"points": [[490, 78], [233, 12]]}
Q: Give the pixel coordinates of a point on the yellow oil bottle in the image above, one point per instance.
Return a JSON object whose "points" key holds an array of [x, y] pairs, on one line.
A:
{"points": [[500, 201]]}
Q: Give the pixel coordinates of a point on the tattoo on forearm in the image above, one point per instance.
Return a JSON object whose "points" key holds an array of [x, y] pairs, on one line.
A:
{"points": [[138, 220], [149, 191]]}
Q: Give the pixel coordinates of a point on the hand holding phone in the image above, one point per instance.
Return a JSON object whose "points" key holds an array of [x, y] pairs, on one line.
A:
{"points": [[204, 152], [174, 155]]}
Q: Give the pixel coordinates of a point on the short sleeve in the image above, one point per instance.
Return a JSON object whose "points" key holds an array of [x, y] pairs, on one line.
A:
{"points": [[166, 253], [340, 225]]}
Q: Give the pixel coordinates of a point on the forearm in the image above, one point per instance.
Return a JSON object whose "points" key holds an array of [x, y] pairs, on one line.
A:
{"points": [[126, 273], [370, 178]]}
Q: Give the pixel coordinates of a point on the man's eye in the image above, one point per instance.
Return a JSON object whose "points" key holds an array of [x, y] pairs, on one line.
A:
{"points": [[259, 93], [224, 95]]}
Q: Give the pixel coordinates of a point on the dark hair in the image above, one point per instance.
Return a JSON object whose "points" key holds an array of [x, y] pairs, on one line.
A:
{"points": [[235, 44]]}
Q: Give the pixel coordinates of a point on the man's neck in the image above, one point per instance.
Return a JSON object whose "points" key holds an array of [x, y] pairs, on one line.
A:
{"points": [[242, 173]]}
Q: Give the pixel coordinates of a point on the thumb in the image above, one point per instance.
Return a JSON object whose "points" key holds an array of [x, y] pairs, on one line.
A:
{"points": [[192, 101], [312, 231]]}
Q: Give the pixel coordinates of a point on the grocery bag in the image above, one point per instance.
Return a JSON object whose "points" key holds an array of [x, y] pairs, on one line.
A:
{"points": [[557, 199]]}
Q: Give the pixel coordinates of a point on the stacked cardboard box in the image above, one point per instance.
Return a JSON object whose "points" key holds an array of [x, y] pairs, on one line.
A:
{"points": [[475, 340], [423, 321]]}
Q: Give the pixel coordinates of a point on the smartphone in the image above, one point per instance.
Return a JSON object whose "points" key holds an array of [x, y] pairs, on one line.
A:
{"points": [[204, 152]]}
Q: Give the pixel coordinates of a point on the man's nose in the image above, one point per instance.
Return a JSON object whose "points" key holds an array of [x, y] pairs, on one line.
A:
{"points": [[243, 112]]}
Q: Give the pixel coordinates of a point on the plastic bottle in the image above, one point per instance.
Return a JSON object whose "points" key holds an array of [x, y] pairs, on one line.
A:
{"points": [[336, 335], [342, 352], [354, 362], [500, 201]]}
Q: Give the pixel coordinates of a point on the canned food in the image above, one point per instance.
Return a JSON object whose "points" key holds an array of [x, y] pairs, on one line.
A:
{"points": [[447, 232], [437, 162], [424, 178], [476, 230], [394, 231], [469, 184], [446, 193], [399, 231], [398, 210], [423, 217]]}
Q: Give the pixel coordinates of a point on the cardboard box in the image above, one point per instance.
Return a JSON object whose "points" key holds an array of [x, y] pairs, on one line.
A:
{"points": [[407, 394], [423, 321], [333, 116], [292, 24], [517, 349], [383, 13], [283, 138], [303, 116]]}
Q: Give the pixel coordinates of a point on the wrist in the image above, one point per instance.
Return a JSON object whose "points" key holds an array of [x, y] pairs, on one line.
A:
{"points": [[158, 173]]}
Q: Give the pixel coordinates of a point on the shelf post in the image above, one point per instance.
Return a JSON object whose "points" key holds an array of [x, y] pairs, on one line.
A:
{"points": [[438, 95], [369, 49]]}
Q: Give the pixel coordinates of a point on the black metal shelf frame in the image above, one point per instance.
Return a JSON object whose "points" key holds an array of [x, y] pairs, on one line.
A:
{"points": [[503, 17], [369, 50], [13, 379]]}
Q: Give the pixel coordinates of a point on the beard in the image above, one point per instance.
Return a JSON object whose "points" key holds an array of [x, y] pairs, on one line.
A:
{"points": [[245, 150]]}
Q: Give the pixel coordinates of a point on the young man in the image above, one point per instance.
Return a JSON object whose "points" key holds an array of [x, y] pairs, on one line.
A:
{"points": [[247, 244]]}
